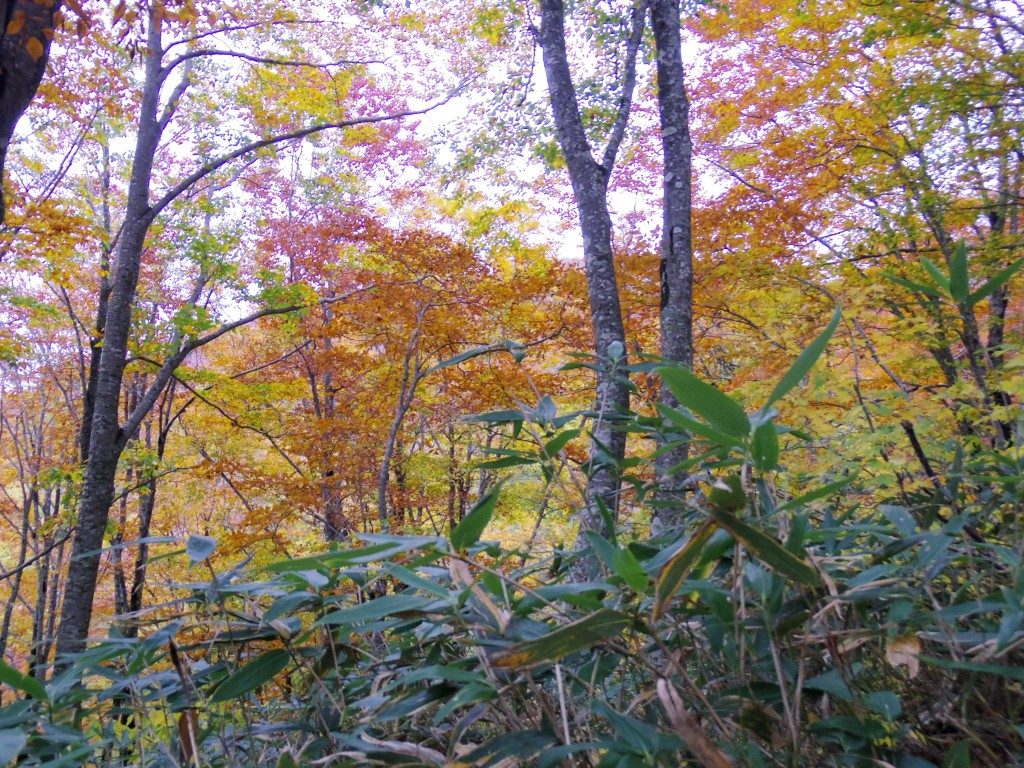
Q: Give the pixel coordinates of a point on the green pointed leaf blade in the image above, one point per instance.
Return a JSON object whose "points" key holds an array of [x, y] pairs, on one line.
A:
{"points": [[557, 443], [710, 403], [958, 756], [764, 447], [565, 640], [727, 493], [21, 682], [12, 741], [253, 674], [673, 573], [471, 527], [506, 462], [804, 362], [913, 286], [767, 549], [694, 427], [509, 748], [997, 282], [936, 274], [958, 279], [625, 565], [371, 610], [817, 493]]}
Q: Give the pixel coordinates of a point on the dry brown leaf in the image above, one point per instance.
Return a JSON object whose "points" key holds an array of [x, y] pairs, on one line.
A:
{"points": [[904, 651]]}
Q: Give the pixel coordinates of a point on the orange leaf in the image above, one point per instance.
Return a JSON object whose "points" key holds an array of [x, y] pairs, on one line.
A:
{"points": [[35, 48], [15, 25]]}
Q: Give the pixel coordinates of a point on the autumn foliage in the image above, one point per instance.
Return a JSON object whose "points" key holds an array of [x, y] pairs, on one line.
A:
{"points": [[355, 408]]}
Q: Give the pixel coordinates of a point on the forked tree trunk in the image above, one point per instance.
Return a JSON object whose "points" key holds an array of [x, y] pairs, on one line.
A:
{"points": [[590, 188]]}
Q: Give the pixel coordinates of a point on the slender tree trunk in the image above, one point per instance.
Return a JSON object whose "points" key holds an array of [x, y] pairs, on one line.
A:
{"points": [[106, 441], [26, 508], [590, 187], [677, 240]]}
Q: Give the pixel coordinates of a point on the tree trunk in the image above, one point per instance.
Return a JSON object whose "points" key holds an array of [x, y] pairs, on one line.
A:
{"points": [[24, 48], [676, 242], [590, 188], [106, 440]]}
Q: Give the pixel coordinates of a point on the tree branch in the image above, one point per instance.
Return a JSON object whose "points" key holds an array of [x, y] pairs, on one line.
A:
{"points": [[628, 86], [201, 173], [270, 60], [166, 371]]}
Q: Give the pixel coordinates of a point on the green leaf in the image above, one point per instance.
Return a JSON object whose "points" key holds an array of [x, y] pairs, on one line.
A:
{"points": [[250, 676], [673, 573], [958, 280], [714, 406], [12, 741], [727, 493], [997, 282], [552, 447], [506, 461], [766, 548], [471, 527], [958, 756], [15, 679], [764, 447], [804, 362], [625, 565], [1013, 673], [571, 638], [518, 747], [914, 286], [199, 548], [381, 548], [508, 346], [940, 279], [378, 608], [694, 427], [603, 548]]}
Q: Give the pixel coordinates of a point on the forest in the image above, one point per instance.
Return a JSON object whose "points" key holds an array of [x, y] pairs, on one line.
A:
{"points": [[555, 383]]}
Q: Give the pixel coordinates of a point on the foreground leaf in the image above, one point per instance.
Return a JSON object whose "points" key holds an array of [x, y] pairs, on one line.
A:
{"points": [[573, 637], [767, 548], [710, 403], [253, 674], [804, 362], [12, 741], [471, 528], [673, 573], [21, 682]]}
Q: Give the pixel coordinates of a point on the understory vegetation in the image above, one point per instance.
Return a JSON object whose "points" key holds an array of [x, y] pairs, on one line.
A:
{"points": [[840, 626]]}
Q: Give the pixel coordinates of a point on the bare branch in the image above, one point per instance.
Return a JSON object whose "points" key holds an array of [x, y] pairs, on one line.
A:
{"points": [[166, 371], [175, 98], [270, 60], [628, 86], [201, 173]]}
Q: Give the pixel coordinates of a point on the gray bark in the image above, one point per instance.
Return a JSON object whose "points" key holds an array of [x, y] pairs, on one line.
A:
{"points": [[677, 241], [590, 187], [106, 440]]}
